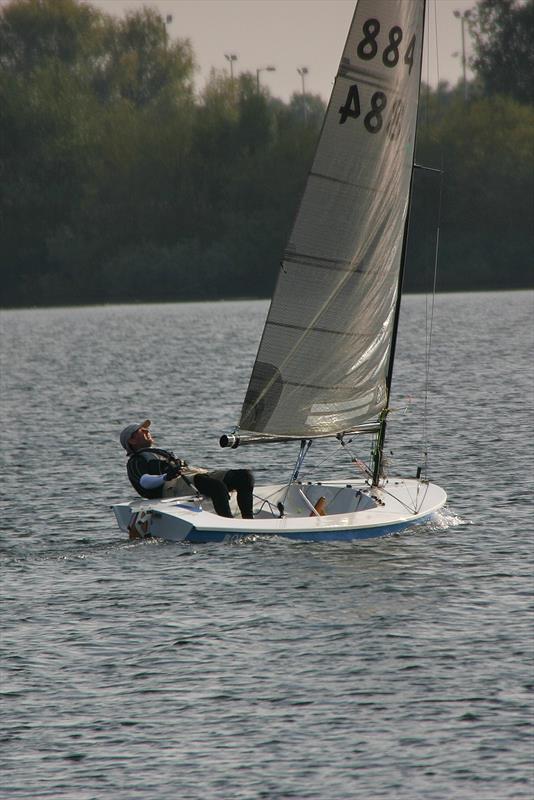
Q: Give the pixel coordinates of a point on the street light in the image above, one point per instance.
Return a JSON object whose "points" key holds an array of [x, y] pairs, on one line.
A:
{"points": [[262, 69], [463, 16], [168, 22], [231, 57], [303, 71]]}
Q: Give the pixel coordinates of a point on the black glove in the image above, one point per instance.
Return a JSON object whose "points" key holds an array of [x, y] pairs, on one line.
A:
{"points": [[173, 472]]}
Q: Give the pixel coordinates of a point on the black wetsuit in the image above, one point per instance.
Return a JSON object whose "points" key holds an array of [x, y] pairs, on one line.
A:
{"points": [[149, 461], [215, 485]]}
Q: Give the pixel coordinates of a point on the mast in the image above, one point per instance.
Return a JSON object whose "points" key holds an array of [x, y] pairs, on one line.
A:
{"points": [[379, 451]]}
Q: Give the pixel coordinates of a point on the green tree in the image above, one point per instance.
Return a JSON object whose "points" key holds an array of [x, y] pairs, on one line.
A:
{"points": [[503, 36], [33, 32], [309, 108], [485, 149], [141, 63], [85, 172]]}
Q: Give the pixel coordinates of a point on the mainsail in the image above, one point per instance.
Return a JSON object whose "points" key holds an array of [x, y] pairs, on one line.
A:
{"points": [[323, 359]]}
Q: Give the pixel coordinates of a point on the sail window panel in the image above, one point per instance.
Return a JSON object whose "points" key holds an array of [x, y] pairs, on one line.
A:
{"points": [[306, 420], [295, 413], [314, 369], [331, 360]]}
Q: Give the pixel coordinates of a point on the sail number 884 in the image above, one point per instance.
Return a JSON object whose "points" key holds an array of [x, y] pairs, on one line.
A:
{"points": [[368, 46]]}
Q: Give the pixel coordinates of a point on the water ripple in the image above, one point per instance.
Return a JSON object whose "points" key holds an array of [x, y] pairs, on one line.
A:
{"points": [[268, 669]]}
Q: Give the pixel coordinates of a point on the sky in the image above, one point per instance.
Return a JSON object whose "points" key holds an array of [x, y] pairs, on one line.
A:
{"points": [[289, 34]]}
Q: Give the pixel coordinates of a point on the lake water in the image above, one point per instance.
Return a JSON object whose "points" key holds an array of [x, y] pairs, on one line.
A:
{"points": [[393, 668]]}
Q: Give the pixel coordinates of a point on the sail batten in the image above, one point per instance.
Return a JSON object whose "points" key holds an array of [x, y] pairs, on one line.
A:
{"points": [[370, 79], [328, 331], [336, 179], [322, 364]]}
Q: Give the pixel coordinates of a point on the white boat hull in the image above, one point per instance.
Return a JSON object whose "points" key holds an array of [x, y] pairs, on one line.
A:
{"points": [[354, 511]]}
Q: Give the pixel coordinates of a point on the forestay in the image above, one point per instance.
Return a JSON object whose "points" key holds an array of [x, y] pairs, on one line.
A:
{"points": [[322, 363]]}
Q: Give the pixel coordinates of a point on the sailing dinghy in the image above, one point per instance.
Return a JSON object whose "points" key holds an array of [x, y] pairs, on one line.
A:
{"points": [[325, 361]]}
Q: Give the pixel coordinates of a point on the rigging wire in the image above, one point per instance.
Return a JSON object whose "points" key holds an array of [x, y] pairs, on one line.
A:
{"points": [[430, 326], [436, 40], [353, 459], [430, 302], [427, 81]]}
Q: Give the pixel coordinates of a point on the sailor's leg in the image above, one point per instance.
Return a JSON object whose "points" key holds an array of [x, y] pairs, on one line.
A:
{"points": [[216, 490], [242, 481]]}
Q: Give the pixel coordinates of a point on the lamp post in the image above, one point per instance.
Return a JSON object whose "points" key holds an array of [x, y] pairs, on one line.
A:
{"points": [[168, 23], [463, 16], [303, 71], [262, 69], [231, 57]]}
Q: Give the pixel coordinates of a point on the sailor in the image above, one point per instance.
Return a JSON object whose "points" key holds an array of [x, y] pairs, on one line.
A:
{"points": [[158, 473]]}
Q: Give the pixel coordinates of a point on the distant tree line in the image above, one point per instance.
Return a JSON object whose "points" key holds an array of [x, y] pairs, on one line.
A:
{"points": [[119, 184], [482, 135]]}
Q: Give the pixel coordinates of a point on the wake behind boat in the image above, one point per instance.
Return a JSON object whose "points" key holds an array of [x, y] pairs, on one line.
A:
{"points": [[325, 362]]}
